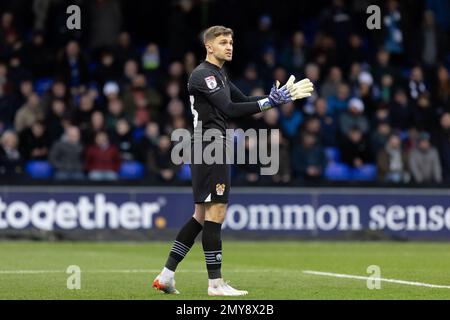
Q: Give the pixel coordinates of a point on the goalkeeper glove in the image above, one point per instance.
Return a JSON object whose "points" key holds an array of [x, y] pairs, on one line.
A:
{"points": [[301, 89], [277, 96]]}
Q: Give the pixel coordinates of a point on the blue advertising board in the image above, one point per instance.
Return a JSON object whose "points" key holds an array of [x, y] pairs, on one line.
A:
{"points": [[407, 213]]}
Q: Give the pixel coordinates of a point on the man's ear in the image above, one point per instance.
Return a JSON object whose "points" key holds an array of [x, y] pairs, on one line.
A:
{"points": [[208, 47]]}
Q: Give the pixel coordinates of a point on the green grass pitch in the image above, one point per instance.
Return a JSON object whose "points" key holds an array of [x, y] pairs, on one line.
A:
{"points": [[268, 270]]}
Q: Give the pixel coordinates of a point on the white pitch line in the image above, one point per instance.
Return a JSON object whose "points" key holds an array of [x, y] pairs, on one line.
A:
{"points": [[349, 276]]}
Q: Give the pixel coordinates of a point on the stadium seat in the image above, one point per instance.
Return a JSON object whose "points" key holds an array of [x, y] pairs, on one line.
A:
{"points": [[333, 154], [131, 170], [337, 172], [138, 133], [365, 173], [39, 169], [184, 173], [41, 85]]}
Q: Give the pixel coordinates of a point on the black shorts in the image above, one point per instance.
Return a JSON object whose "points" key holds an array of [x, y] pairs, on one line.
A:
{"points": [[211, 182]]}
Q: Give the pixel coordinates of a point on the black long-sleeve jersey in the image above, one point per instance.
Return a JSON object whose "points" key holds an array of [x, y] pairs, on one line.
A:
{"points": [[214, 98]]}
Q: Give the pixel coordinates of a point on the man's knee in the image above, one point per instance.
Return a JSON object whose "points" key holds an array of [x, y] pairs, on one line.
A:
{"points": [[215, 212], [199, 213]]}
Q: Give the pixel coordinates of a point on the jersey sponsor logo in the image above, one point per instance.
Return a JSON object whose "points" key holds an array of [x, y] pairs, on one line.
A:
{"points": [[220, 189], [211, 82]]}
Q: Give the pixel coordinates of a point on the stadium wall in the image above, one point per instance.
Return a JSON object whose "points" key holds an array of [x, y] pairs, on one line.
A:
{"points": [[150, 213]]}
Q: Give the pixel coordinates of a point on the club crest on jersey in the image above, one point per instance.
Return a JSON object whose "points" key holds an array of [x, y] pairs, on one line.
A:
{"points": [[220, 189], [211, 82]]}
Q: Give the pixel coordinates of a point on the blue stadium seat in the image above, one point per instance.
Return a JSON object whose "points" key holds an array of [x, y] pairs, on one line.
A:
{"points": [[138, 133], [41, 85], [337, 172], [333, 154], [184, 173], [367, 172], [39, 169], [131, 170]]}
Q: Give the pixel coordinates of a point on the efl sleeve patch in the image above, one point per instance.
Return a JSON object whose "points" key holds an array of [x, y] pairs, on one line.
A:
{"points": [[211, 82]]}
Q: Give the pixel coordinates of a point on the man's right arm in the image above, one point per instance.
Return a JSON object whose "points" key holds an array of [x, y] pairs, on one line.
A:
{"points": [[207, 83]]}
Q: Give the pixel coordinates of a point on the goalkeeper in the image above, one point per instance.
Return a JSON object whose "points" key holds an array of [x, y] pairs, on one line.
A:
{"points": [[215, 99]]}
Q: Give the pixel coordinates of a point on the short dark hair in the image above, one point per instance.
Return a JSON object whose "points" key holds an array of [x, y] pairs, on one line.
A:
{"points": [[215, 31]]}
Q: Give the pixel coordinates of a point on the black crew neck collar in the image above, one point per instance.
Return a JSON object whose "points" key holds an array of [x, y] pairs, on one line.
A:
{"points": [[212, 64]]}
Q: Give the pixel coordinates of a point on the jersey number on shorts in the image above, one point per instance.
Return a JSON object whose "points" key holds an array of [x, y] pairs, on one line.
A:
{"points": [[194, 112]]}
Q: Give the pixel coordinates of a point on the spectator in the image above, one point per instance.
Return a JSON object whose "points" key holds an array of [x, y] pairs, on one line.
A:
{"points": [[115, 112], [148, 142], [356, 51], [355, 149], [431, 40], [34, 142], [249, 80], [400, 111], [66, 156], [159, 163], [58, 91], [57, 118], [290, 120], [443, 144], [82, 115], [329, 87], [338, 21], [308, 159], [383, 66], [353, 118], [143, 103], [328, 123], [392, 161], [294, 57], [17, 72], [150, 58], [416, 84], [393, 41], [25, 91], [124, 50], [107, 70], [190, 63], [38, 56], [424, 114], [284, 171], [28, 114], [386, 88], [424, 161], [111, 91], [73, 68], [441, 92], [102, 159], [339, 102], [365, 82], [123, 139], [379, 138], [96, 125], [130, 72], [248, 172], [10, 159], [105, 23]]}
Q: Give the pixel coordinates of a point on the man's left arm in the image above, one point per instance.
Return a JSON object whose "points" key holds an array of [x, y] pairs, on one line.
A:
{"points": [[238, 96]]}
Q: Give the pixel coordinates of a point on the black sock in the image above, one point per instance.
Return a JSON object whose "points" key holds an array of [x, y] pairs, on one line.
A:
{"points": [[212, 247], [183, 243]]}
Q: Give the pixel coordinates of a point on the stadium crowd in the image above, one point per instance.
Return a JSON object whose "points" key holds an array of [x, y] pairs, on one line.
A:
{"points": [[100, 103]]}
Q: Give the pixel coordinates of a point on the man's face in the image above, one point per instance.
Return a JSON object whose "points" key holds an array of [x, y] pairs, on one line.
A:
{"points": [[221, 47]]}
